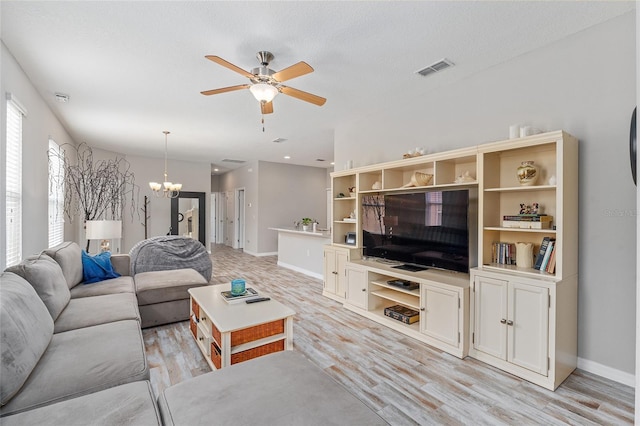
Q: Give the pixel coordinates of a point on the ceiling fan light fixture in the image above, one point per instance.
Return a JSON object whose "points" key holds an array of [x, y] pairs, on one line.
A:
{"points": [[263, 92]]}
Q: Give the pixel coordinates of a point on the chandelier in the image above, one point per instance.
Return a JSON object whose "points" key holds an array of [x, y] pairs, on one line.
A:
{"points": [[166, 189]]}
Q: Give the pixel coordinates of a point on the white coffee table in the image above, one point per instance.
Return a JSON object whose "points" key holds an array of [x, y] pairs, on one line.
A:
{"points": [[231, 333]]}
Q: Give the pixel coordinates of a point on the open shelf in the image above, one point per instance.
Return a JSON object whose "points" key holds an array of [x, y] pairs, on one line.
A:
{"points": [[412, 301], [380, 313]]}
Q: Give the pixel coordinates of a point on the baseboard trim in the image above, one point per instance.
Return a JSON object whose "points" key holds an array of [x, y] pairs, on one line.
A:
{"points": [[607, 372], [298, 269], [275, 253]]}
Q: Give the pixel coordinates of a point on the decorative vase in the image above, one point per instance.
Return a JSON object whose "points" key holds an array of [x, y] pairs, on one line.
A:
{"points": [[527, 173], [524, 255], [305, 227]]}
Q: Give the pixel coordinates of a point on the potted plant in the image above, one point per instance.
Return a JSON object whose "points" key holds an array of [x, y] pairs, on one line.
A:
{"points": [[306, 222]]}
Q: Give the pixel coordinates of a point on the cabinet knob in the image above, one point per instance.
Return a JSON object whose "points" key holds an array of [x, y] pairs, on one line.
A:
{"points": [[364, 289], [422, 309], [503, 321], [509, 322]]}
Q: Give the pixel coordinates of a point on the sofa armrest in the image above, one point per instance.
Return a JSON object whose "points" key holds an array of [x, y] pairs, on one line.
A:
{"points": [[121, 264]]}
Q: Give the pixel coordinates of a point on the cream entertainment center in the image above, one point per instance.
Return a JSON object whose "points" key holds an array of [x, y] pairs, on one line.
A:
{"points": [[434, 253]]}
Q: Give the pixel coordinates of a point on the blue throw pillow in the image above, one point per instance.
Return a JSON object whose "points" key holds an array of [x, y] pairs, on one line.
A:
{"points": [[97, 268]]}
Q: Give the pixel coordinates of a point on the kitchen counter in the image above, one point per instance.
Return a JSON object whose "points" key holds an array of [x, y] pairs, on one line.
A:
{"points": [[302, 251]]}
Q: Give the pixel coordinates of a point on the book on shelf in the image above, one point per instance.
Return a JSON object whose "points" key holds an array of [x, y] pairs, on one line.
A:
{"points": [[525, 224], [231, 298], [528, 217], [504, 253], [547, 255], [551, 266], [402, 314], [541, 253]]}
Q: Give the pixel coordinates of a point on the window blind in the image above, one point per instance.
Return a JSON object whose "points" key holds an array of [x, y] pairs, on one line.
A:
{"points": [[56, 194], [13, 183]]}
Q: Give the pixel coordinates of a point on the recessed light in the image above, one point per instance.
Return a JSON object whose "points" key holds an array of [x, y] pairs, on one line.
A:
{"points": [[333, 163], [287, 157], [216, 170], [278, 140]]}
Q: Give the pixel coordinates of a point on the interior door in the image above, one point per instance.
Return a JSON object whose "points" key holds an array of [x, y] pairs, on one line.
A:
{"points": [[229, 235], [239, 228], [212, 219], [221, 217], [490, 316], [528, 326]]}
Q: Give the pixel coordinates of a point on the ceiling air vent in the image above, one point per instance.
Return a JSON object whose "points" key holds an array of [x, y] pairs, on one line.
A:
{"points": [[435, 67], [319, 159], [227, 160]]}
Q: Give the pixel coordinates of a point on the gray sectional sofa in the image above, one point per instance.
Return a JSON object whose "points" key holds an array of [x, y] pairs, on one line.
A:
{"points": [[74, 354], [62, 339]]}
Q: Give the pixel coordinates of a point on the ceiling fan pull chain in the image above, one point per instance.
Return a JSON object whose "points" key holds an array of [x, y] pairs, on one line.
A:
{"points": [[262, 123]]}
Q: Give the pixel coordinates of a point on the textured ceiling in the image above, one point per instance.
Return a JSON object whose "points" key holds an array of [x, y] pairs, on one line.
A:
{"points": [[134, 69]]}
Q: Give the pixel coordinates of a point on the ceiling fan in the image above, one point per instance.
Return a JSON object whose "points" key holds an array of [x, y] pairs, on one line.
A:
{"points": [[267, 83]]}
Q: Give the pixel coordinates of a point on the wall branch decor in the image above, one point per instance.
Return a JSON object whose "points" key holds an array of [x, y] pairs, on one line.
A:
{"points": [[93, 189]]}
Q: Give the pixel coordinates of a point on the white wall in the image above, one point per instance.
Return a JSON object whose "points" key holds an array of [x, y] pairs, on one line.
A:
{"points": [[287, 194], [39, 125], [584, 84], [276, 195], [194, 177]]}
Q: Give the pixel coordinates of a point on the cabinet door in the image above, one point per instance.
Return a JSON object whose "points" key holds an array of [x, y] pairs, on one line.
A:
{"points": [[357, 287], [528, 326], [342, 257], [490, 316], [330, 271], [440, 316]]}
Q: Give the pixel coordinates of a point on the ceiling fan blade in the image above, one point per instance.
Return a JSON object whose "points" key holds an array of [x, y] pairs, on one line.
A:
{"points": [[295, 70], [267, 108], [303, 96], [225, 89], [218, 60]]}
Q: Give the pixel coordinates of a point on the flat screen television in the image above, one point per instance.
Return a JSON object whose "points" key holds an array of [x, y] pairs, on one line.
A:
{"points": [[420, 230]]}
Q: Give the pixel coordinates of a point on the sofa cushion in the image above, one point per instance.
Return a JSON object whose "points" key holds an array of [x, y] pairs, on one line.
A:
{"points": [[45, 275], [164, 286], [130, 404], [69, 257], [26, 329], [83, 361], [89, 311], [123, 284], [283, 388], [121, 263], [97, 268]]}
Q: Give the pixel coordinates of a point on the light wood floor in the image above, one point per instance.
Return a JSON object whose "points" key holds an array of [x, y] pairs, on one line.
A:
{"points": [[403, 380]]}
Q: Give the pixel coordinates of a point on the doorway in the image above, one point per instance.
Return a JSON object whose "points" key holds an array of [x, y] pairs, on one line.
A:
{"points": [[239, 218]]}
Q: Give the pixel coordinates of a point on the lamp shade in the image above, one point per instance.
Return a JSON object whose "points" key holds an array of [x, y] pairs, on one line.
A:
{"points": [[263, 92], [104, 229]]}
